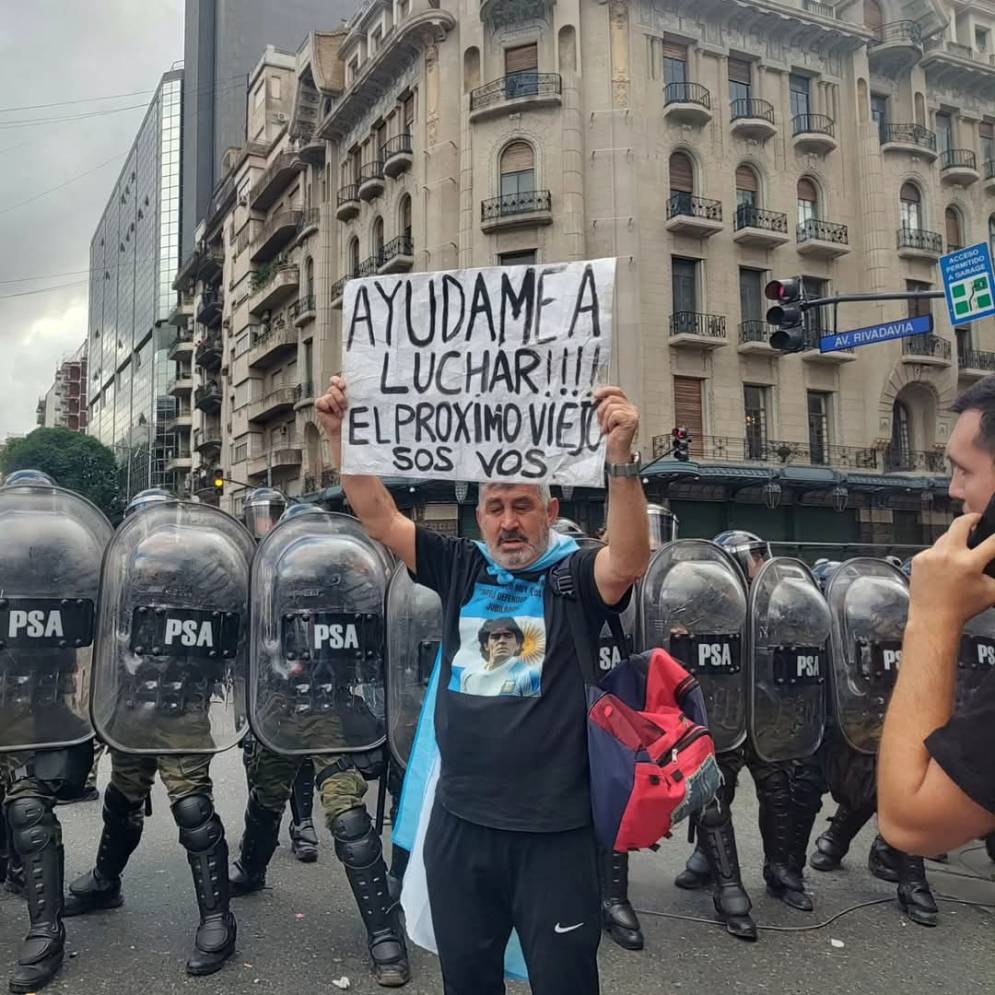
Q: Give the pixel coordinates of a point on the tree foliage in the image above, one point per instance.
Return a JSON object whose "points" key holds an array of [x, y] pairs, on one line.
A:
{"points": [[74, 461]]}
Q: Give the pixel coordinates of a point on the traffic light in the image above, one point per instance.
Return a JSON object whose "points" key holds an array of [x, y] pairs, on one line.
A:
{"points": [[681, 443], [786, 313], [218, 477]]}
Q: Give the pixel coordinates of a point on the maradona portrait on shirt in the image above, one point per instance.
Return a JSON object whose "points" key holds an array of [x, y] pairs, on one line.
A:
{"points": [[501, 669]]}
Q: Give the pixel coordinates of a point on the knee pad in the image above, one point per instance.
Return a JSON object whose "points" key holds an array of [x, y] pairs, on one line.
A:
{"points": [[356, 840], [32, 824], [200, 828], [772, 780]]}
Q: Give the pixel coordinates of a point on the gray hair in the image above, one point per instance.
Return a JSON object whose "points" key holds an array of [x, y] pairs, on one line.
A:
{"points": [[545, 494]]}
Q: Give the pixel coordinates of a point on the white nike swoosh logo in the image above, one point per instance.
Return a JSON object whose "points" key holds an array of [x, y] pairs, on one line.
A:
{"points": [[566, 929]]}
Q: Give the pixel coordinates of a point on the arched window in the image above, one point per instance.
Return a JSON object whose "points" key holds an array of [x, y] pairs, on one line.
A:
{"points": [[309, 277], [808, 201], [954, 231], [404, 217], [518, 181], [354, 256], [900, 456], [377, 240], [873, 17], [681, 183], [911, 205]]}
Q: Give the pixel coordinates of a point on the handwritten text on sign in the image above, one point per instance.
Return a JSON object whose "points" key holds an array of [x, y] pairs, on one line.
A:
{"points": [[481, 374]]}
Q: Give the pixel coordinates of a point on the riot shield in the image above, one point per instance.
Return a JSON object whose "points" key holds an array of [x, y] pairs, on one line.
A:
{"points": [[316, 665], [414, 634], [171, 649], [693, 604], [869, 604], [51, 545], [788, 658], [976, 659]]}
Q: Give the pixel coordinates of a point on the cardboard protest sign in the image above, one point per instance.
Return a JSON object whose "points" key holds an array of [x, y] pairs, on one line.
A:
{"points": [[482, 374]]}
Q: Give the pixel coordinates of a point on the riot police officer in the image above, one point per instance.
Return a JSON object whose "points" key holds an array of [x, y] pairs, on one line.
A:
{"points": [[317, 691], [168, 685], [51, 545]]}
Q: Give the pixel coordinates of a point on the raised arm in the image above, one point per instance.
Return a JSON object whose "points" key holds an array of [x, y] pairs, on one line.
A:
{"points": [[368, 497]]}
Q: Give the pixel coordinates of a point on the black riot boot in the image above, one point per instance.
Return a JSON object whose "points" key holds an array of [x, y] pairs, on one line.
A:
{"points": [[203, 837], [617, 915], [696, 874], [399, 858], [776, 828], [259, 841], [882, 861], [100, 888], [35, 836], [303, 838], [717, 843], [834, 844], [360, 850], [807, 787], [914, 894]]}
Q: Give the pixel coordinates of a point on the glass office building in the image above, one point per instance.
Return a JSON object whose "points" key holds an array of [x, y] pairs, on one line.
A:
{"points": [[134, 255]]}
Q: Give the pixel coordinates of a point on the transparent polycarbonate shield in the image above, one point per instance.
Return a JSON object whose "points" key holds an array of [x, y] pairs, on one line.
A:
{"points": [[693, 604], [976, 659], [788, 659], [869, 604], [171, 653], [414, 635], [317, 675], [52, 542]]}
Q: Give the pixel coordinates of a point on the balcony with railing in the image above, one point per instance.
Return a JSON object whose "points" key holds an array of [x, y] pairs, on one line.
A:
{"points": [[773, 452], [990, 175], [898, 46], [694, 216], [926, 350], [182, 346], [765, 229], [959, 167], [181, 461], [912, 139], [972, 364], [209, 350], [821, 9], [309, 223], [752, 119], [273, 181], [527, 90], [687, 103], [208, 398], [526, 209], [371, 181], [207, 440], [754, 338], [347, 202], [397, 256], [271, 344], [276, 402], [303, 310], [303, 394], [180, 421], [276, 233], [338, 289], [822, 239], [211, 307], [917, 243], [181, 385], [397, 154], [272, 286], [897, 459], [275, 461], [814, 133], [691, 329]]}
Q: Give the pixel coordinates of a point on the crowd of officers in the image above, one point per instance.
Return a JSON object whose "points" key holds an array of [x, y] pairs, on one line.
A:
{"points": [[720, 607]]}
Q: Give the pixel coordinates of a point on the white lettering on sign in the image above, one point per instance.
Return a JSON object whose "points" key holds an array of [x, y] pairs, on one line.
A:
{"points": [[808, 666], [986, 654], [335, 637], [892, 659], [609, 657], [482, 374], [37, 624], [189, 632], [714, 655]]}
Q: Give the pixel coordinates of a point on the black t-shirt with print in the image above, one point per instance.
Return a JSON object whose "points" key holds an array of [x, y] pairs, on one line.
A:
{"points": [[510, 716], [965, 746]]}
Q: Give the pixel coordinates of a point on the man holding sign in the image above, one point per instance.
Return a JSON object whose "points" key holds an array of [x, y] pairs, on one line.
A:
{"points": [[510, 843]]}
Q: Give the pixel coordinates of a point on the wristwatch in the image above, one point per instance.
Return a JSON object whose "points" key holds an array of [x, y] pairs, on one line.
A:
{"points": [[630, 469]]}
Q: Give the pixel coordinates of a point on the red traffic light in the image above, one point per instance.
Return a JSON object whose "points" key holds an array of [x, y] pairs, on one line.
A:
{"points": [[784, 290]]}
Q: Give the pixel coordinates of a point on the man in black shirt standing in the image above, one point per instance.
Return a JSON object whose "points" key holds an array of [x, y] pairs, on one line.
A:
{"points": [[936, 773], [510, 844]]}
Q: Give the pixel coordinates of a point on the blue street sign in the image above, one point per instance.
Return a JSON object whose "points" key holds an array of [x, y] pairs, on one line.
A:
{"points": [[969, 283], [900, 329]]}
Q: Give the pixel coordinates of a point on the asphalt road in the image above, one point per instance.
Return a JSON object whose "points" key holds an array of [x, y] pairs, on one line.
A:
{"points": [[304, 931]]}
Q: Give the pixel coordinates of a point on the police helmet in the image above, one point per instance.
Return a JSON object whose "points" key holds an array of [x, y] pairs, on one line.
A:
{"points": [[895, 561], [28, 478], [263, 509], [299, 508], [151, 495], [747, 549], [823, 572], [663, 525]]}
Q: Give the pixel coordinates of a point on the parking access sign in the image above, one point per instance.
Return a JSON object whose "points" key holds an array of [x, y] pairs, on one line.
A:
{"points": [[969, 283]]}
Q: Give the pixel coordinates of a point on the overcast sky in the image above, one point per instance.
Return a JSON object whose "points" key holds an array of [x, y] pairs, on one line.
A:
{"points": [[54, 51]]}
